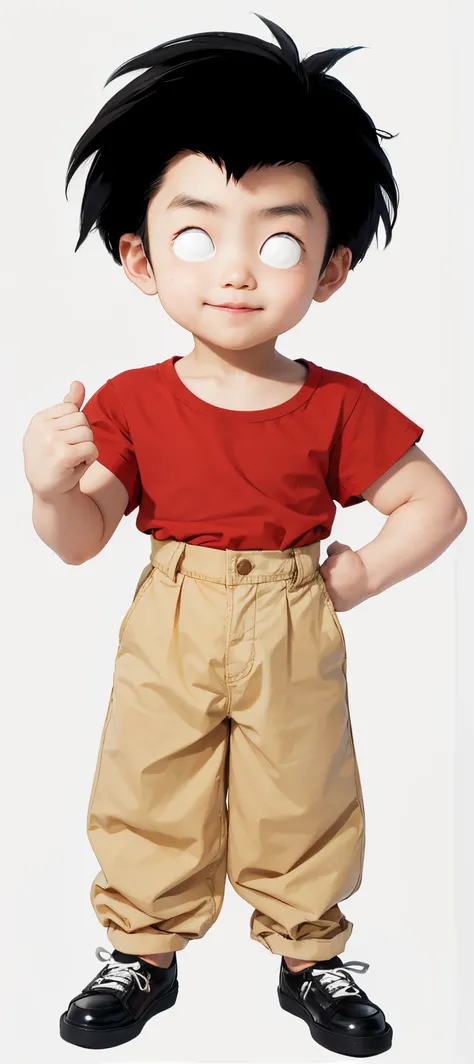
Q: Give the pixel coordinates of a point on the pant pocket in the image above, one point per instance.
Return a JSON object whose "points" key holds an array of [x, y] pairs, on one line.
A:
{"points": [[145, 579], [330, 606]]}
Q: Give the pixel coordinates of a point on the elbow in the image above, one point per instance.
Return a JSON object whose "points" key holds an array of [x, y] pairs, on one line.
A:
{"points": [[84, 557], [457, 522], [77, 559], [461, 517], [448, 516], [452, 510]]}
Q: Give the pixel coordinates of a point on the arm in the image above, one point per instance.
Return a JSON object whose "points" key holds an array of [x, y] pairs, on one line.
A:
{"points": [[79, 523], [425, 515]]}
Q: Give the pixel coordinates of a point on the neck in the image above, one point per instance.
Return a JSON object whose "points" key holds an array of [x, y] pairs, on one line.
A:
{"points": [[226, 363]]}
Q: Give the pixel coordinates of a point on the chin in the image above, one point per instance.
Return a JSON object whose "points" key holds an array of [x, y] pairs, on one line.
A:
{"points": [[245, 344]]}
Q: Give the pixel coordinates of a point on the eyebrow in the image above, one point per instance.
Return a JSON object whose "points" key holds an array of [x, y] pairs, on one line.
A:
{"points": [[298, 208]]}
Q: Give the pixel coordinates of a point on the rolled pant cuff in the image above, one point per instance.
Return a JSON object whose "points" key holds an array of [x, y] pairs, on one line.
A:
{"points": [[143, 943], [305, 949]]}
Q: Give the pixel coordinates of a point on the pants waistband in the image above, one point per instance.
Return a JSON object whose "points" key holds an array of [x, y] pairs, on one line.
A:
{"points": [[298, 565]]}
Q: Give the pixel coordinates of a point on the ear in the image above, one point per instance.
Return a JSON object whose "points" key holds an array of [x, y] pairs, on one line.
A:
{"points": [[334, 275], [135, 263]]}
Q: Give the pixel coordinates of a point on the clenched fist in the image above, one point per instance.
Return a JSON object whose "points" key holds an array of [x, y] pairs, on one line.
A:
{"points": [[58, 446]]}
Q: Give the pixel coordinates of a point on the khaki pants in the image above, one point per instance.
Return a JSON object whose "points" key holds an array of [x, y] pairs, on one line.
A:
{"points": [[229, 682]]}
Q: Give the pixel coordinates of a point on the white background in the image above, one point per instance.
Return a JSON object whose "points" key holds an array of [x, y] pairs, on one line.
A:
{"points": [[402, 322]]}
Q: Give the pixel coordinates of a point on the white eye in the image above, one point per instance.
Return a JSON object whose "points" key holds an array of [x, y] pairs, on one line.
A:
{"points": [[281, 251], [193, 245]]}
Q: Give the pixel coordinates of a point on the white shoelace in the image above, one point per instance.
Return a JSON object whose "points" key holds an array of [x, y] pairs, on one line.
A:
{"points": [[118, 975], [334, 979]]}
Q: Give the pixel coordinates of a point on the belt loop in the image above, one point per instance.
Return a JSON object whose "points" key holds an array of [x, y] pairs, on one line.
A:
{"points": [[297, 568], [173, 564]]}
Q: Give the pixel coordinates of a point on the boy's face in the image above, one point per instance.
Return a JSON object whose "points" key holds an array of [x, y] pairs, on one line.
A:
{"points": [[235, 252]]}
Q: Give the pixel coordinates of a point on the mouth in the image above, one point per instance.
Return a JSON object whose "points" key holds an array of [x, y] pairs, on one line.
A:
{"points": [[234, 308]]}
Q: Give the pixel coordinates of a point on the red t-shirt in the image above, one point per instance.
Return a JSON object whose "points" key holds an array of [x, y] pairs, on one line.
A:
{"points": [[244, 479]]}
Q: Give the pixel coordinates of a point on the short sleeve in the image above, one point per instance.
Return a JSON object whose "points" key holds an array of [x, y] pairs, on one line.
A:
{"points": [[373, 437], [105, 414]]}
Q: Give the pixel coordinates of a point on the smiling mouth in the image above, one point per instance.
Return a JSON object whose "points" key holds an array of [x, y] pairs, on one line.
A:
{"points": [[233, 309]]}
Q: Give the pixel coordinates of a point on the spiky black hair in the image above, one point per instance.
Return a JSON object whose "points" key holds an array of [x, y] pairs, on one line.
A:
{"points": [[243, 103]]}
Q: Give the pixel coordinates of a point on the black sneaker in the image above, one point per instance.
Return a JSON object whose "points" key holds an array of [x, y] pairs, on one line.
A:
{"points": [[116, 1004], [338, 1013]]}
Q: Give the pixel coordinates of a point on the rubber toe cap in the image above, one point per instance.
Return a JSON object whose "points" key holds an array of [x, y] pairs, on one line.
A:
{"points": [[359, 1018], [95, 1011]]}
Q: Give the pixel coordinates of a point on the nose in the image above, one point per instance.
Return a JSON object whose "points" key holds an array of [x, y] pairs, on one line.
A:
{"points": [[236, 271]]}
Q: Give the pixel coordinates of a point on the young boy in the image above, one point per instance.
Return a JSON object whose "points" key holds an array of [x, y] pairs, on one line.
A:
{"points": [[239, 185]]}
